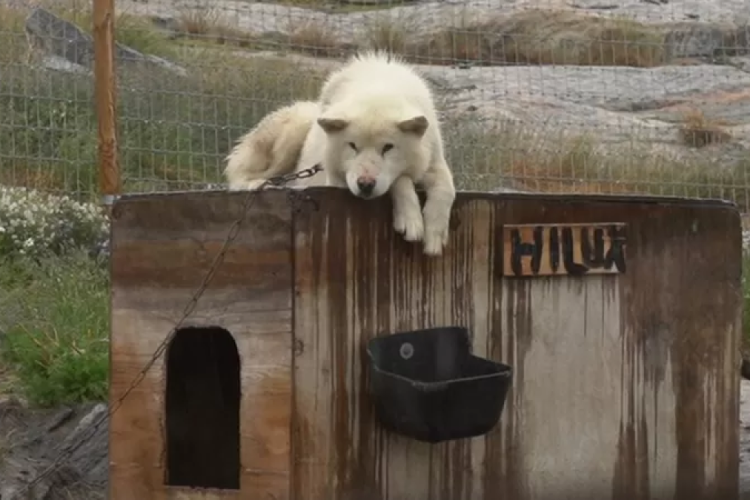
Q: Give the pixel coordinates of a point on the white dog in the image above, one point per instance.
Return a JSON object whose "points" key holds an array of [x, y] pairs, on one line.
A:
{"points": [[374, 130], [378, 131], [272, 147]]}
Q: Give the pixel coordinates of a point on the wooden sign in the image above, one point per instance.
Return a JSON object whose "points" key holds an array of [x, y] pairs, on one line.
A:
{"points": [[563, 249]]}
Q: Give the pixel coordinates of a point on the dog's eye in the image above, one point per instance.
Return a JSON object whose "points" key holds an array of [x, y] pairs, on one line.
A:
{"points": [[353, 146], [387, 148]]}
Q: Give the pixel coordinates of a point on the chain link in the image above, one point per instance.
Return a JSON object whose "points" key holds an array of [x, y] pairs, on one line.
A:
{"points": [[189, 308]]}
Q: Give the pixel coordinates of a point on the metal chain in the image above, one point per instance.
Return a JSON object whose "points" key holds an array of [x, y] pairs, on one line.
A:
{"points": [[189, 308]]}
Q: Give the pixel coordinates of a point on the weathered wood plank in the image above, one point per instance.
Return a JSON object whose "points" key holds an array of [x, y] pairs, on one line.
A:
{"points": [[603, 372], [625, 384], [566, 334], [162, 250], [676, 253], [354, 281], [171, 242]]}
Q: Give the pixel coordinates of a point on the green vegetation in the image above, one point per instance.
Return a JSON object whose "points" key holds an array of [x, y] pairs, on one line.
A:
{"points": [[173, 131], [55, 326], [746, 305], [484, 157]]}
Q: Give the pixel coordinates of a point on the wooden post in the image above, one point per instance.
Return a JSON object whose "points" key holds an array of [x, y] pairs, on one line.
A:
{"points": [[106, 99]]}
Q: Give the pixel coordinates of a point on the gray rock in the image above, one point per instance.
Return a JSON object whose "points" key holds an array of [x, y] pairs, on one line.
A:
{"points": [[427, 16], [687, 40], [695, 40], [60, 40], [50, 34], [74, 440], [56, 63]]}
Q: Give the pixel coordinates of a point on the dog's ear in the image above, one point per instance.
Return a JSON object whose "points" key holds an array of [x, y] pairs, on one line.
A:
{"points": [[333, 125], [416, 125]]}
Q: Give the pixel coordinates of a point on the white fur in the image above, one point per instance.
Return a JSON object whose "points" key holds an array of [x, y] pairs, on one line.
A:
{"points": [[272, 147], [373, 100]]}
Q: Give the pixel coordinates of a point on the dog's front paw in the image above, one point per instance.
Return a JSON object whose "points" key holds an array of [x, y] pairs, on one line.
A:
{"points": [[436, 234], [435, 241], [409, 224]]}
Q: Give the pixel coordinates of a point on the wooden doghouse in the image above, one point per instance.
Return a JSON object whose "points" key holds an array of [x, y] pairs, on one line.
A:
{"points": [[621, 318]]}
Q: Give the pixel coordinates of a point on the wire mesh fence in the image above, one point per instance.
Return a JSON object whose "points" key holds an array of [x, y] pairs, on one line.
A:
{"points": [[584, 96], [648, 97]]}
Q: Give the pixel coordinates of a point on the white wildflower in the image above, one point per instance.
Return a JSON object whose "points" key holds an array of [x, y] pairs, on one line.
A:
{"points": [[32, 222]]}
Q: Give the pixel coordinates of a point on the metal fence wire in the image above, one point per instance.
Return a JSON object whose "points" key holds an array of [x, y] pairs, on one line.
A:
{"points": [[586, 96]]}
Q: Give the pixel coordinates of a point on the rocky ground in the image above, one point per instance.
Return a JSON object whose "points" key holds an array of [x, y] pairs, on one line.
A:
{"points": [[32, 441]]}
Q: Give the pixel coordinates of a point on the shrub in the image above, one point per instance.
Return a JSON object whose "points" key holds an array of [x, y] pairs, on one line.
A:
{"points": [[33, 223], [698, 131], [54, 327], [544, 36]]}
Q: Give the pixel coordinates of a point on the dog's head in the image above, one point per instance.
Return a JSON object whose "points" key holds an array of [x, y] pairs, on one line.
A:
{"points": [[372, 149]]}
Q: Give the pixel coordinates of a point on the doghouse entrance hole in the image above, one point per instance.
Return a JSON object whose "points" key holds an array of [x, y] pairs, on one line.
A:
{"points": [[203, 409]]}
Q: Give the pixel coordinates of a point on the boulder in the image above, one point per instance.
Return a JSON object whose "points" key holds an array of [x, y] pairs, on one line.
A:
{"points": [[61, 41]]}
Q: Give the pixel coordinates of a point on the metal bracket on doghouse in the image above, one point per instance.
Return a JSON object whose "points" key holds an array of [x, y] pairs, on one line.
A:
{"points": [[297, 199]]}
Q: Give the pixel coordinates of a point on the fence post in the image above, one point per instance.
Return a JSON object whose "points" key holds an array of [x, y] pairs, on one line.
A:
{"points": [[106, 99]]}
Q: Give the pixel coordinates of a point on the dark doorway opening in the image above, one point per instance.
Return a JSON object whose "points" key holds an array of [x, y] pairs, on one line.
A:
{"points": [[203, 409]]}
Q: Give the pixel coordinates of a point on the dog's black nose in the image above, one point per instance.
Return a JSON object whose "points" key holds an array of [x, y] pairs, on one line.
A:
{"points": [[366, 186]]}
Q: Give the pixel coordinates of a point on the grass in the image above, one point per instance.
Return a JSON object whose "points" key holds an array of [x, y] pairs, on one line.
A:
{"points": [[55, 328], [12, 37], [341, 7], [511, 155], [314, 38], [173, 131], [698, 131], [533, 36]]}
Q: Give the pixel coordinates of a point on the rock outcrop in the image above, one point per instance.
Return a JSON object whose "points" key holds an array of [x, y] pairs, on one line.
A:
{"points": [[53, 454], [64, 46]]}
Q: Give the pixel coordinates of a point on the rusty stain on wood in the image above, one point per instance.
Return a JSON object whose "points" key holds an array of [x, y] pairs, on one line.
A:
{"points": [[625, 384], [563, 249]]}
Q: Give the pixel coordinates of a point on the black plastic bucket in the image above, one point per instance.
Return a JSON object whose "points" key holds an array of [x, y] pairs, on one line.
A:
{"points": [[427, 385]]}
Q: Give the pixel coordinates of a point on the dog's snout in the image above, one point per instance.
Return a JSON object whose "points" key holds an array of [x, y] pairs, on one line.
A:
{"points": [[366, 185]]}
